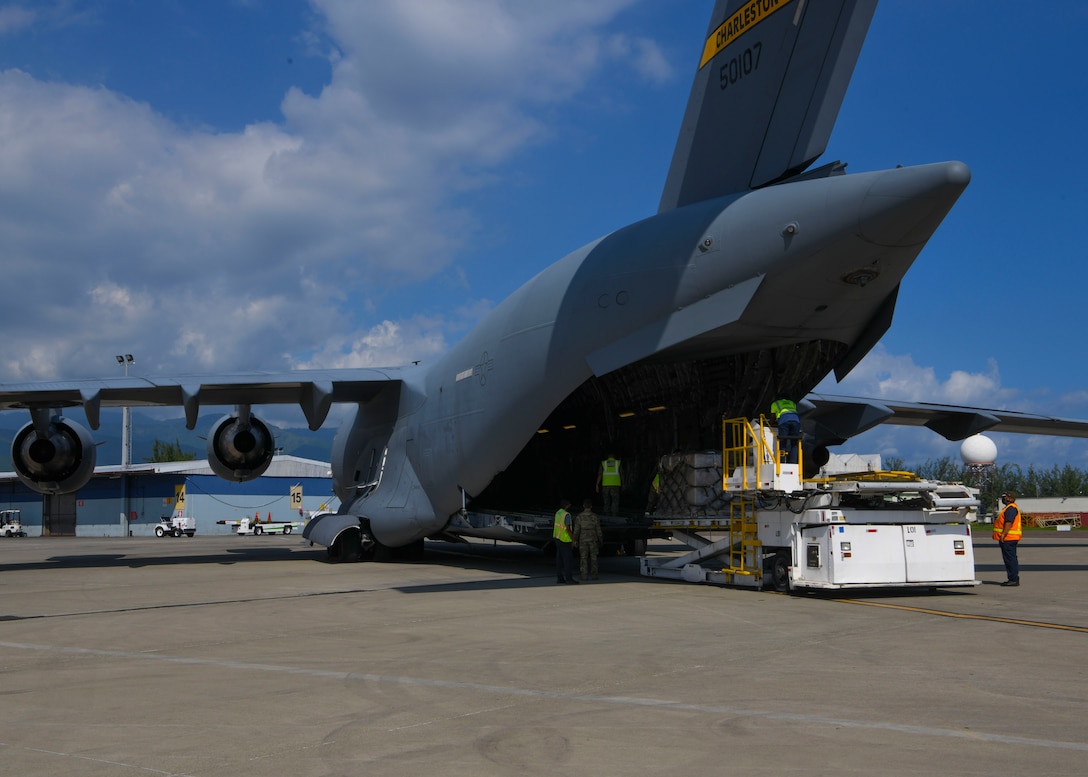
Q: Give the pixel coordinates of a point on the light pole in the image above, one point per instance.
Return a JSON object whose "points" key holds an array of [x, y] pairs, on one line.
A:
{"points": [[126, 418], [126, 449]]}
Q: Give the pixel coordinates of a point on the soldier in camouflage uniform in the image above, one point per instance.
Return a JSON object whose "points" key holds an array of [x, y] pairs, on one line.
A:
{"points": [[588, 537]]}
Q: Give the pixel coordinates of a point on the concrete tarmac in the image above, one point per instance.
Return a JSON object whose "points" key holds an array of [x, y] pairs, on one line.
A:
{"points": [[241, 656]]}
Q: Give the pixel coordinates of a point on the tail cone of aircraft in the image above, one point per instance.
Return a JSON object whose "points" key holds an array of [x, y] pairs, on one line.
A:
{"points": [[906, 205]]}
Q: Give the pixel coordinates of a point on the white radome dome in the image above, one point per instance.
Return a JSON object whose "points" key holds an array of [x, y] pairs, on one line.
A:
{"points": [[978, 450]]}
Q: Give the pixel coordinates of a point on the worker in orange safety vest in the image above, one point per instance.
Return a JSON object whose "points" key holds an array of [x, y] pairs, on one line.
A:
{"points": [[1008, 531]]}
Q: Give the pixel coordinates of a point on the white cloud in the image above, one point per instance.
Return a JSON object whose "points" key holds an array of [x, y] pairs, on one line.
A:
{"points": [[883, 375], [446, 58], [204, 250], [390, 342], [896, 376], [645, 57], [15, 17]]}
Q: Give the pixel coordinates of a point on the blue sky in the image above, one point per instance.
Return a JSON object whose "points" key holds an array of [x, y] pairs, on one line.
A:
{"points": [[248, 184]]}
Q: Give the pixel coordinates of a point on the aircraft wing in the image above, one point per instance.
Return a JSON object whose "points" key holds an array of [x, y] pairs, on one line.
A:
{"points": [[830, 420], [312, 390]]}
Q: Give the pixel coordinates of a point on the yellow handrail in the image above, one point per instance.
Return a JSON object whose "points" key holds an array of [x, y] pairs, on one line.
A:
{"points": [[740, 442]]}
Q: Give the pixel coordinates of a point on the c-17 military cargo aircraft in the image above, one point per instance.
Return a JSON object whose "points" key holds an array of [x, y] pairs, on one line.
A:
{"points": [[758, 276]]}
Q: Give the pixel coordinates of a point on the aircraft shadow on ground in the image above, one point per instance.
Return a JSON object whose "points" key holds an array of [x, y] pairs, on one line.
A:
{"points": [[529, 566], [131, 560], [514, 559]]}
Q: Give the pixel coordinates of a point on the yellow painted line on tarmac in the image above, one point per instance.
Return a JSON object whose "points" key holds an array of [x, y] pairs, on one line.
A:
{"points": [[966, 616]]}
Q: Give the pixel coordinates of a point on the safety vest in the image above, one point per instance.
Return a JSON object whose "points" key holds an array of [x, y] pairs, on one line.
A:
{"points": [[610, 469], [560, 531], [781, 406], [1015, 532]]}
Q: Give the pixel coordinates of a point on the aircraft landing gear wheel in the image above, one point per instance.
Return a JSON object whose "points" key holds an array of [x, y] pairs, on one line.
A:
{"points": [[780, 573], [347, 547]]}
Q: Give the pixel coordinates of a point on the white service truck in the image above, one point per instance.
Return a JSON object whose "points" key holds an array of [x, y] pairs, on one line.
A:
{"points": [[11, 523], [860, 530], [175, 526]]}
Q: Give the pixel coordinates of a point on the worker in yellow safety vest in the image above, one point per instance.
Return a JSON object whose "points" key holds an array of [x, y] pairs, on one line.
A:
{"points": [[561, 535], [1008, 531], [610, 478], [789, 427]]}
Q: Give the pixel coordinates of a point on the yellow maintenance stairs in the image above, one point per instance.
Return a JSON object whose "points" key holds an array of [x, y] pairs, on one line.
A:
{"points": [[751, 465]]}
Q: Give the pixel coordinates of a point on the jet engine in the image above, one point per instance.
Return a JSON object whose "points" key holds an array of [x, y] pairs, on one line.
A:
{"points": [[54, 455], [240, 447]]}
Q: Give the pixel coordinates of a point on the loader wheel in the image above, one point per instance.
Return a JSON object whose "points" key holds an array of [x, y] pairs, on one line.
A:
{"points": [[780, 572], [160, 532], [176, 532], [258, 531]]}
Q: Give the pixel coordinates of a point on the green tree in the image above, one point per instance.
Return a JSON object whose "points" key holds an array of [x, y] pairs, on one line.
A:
{"points": [[895, 464], [167, 451], [1011, 477], [1056, 481], [1064, 480], [944, 469]]}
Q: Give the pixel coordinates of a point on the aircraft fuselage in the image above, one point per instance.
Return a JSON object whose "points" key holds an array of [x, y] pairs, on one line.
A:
{"points": [[784, 264]]}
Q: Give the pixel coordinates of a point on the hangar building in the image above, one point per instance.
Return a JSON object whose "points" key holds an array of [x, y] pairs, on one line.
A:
{"points": [[119, 502]]}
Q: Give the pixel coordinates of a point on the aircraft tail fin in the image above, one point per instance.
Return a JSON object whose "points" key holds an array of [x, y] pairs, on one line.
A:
{"points": [[770, 83]]}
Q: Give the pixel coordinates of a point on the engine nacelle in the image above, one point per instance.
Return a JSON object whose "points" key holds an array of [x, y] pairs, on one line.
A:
{"points": [[240, 447], [56, 460]]}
